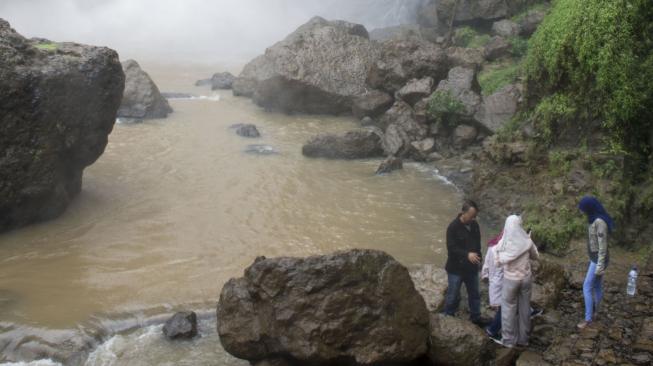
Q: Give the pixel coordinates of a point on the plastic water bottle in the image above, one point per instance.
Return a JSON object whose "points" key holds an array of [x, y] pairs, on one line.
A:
{"points": [[632, 282]]}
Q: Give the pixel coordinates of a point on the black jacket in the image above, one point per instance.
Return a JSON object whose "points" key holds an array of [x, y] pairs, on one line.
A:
{"points": [[460, 242]]}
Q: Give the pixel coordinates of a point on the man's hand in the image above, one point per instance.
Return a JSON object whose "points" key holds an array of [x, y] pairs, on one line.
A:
{"points": [[474, 258]]}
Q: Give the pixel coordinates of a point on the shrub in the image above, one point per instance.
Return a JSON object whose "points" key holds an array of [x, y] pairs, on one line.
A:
{"points": [[469, 37], [444, 108], [497, 76], [550, 113]]}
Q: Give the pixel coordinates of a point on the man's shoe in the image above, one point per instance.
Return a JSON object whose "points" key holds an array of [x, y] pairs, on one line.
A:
{"points": [[584, 324], [500, 342], [494, 337]]}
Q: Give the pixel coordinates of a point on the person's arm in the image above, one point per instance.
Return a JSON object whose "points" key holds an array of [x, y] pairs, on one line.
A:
{"points": [[534, 253], [488, 264], [602, 237]]}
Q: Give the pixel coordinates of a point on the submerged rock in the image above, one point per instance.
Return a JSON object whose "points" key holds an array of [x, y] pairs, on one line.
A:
{"points": [[319, 68], [141, 98], [257, 149], [222, 80], [58, 104], [356, 307], [247, 130], [357, 144], [389, 165], [182, 325]]}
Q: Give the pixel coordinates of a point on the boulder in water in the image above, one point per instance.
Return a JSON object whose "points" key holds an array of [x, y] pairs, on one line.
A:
{"points": [[247, 130], [141, 98], [222, 80], [389, 165], [58, 104], [182, 325], [357, 144], [357, 307], [319, 68]]}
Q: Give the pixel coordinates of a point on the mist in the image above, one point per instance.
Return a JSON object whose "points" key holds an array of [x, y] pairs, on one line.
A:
{"points": [[199, 31]]}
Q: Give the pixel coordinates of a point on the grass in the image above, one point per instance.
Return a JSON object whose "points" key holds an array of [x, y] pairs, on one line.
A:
{"points": [[496, 76], [470, 38], [47, 46]]}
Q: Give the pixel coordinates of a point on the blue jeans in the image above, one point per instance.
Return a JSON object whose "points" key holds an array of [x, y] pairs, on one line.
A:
{"points": [[495, 327], [592, 291], [452, 299]]}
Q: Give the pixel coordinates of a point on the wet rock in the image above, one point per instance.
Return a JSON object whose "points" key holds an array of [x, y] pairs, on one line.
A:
{"points": [[222, 80], [461, 83], [358, 306], [464, 135], [371, 104], [506, 28], [141, 97], [416, 90], [431, 282], [454, 341], [319, 68], [499, 108], [497, 48], [402, 131], [248, 130], [357, 144], [402, 60], [182, 325], [389, 165], [57, 107], [257, 149], [469, 58]]}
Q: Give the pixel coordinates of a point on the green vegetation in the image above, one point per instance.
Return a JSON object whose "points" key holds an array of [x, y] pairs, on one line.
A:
{"points": [[444, 108], [519, 46], [47, 46], [469, 37], [519, 17], [495, 77], [555, 230], [597, 57], [550, 113]]}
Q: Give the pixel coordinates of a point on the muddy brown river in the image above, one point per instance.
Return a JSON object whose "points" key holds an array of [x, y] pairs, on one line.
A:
{"points": [[176, 207]]}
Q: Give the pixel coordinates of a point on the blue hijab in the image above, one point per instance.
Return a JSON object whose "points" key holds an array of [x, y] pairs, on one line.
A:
{"points": [[595, 210]]}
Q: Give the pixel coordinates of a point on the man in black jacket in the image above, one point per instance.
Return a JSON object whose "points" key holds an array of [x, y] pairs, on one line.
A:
{"points": [[463, 261]]}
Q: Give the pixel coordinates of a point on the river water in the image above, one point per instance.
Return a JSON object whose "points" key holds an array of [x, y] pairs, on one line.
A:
{"points": [[176, 207]]}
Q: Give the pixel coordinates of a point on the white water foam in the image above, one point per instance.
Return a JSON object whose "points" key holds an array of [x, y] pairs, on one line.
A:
{"points": [[432, 171], [33, 363]]}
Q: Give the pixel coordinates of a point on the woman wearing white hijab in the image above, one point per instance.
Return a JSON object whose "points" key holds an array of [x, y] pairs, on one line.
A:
{"points": [[514, 253]]}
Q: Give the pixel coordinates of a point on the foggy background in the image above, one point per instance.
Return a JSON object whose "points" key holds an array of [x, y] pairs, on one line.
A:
{"points": [[198, 31]]}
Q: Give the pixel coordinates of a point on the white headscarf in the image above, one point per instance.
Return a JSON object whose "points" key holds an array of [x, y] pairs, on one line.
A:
{"points": [[515, 241]]}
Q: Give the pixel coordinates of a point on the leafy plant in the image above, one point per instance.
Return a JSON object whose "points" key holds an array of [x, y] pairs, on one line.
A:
{"points": [[444, 108], [551, 112]]}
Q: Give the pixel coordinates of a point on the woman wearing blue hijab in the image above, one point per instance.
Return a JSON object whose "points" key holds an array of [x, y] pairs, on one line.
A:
{"points": [[600, 225]]}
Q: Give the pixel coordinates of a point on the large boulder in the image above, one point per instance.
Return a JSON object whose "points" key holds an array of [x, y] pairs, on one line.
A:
{"points": [[431, 282], [319, 68], [403, 60], [463, 86], [141, 98], [58, 104], [357, 144], [497, 48], [222, 80], [416, 90], [182, 325], [402, 130], [497, 109], [506, 28], [372, 104], [357, 307], [454, 341]]}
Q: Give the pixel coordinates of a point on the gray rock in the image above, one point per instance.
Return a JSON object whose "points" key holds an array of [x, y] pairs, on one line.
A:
{"points": [[461, 83], [222, 80], [403, 60], [468, 11], [357, 144], [389, 165], [371, 104], [248, 130], [416, 90], [506, 28], [497, 48], [423, 148], [420, 111], [58, 104], [141, 97], [368, 122], [455, 341], [499, 108], [402, 130], [464, 136], [354, 307], [470, 58], [399, 112], [431, 282], [176, 95], [319, 68], [203, 82], [528, 24], [182, 325], [399, 32]]}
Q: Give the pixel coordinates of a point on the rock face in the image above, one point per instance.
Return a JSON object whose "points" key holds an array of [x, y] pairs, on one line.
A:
{"points": [[141, 98], [358, 144], [468, 10], [372, 104], [357, 307], [431, 282], [58, 104], [319, 69], [403, 60], [182, 325], [500, 107], [457, 342]]}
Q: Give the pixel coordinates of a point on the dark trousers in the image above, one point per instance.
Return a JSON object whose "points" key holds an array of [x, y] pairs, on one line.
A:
{"points": [[452, 299], [495, 326]]}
